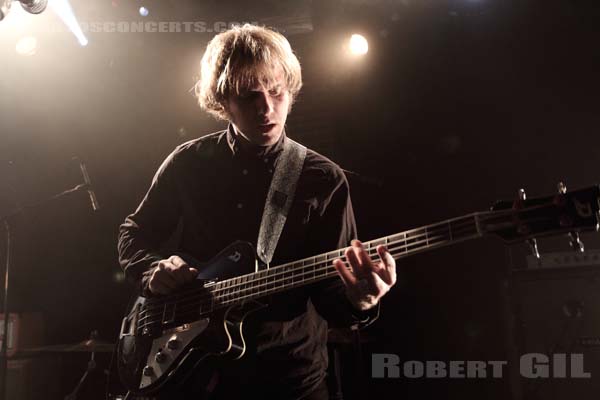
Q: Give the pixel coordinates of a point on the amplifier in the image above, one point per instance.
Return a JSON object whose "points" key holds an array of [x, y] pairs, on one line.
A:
{"points": [[24, 330], [565, 259], [556, 310]]}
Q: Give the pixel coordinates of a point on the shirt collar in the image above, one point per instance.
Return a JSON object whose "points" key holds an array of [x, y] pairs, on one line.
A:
{"points": [[247, 149]]}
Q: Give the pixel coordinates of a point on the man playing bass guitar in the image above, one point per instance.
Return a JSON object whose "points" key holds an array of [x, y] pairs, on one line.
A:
{"points": [[212, 191]]}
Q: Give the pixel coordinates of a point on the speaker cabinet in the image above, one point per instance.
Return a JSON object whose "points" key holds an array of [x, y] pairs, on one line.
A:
{"points": [[557, 316], [32, 379]]}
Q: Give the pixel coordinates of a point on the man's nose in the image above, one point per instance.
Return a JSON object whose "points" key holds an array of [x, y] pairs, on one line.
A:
{"points": [[264, 104]]}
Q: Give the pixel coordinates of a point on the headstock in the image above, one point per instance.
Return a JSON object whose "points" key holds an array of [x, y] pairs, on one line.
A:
{"points": [[567, 212]]}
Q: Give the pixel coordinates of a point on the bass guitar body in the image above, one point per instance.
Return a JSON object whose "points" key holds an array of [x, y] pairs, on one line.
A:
{"points": [[164, 340]]}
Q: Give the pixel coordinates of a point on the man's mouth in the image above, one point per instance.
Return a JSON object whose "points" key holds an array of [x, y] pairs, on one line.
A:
{"points": [[266, 127]]}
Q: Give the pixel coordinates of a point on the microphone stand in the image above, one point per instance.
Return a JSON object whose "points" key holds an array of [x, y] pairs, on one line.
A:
{"points": [[5, 219]]}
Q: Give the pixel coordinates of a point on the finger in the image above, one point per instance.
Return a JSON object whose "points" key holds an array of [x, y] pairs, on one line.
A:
{"points": [[368, 267], [347, 276], [180, 275], [178, 262], [181, 270], [353, 260], [378, 287], [158, 287], [389, 265], [163, 274], [362, 254], [190, 273]]}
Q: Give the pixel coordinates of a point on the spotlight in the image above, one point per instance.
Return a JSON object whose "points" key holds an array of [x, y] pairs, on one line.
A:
{"points": [[144, 11], [358, 45], [31, 6], [26, 46], [34, 6], [63, 9]]}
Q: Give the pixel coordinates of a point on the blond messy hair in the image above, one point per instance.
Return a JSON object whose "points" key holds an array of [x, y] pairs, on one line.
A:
{"points": [[239, 58]]}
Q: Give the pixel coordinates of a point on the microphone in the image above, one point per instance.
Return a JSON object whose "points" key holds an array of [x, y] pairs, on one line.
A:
{"points": [[31, 6], [87, 185]]}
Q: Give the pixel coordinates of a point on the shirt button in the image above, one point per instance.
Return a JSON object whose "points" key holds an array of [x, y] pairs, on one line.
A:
{"points": [[244, 172], [240, 205], [266, 160], [270, 170]]}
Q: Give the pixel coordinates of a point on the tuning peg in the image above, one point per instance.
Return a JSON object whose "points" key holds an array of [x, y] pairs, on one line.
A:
{"points": [[521, 197], [576, 243], [533, 247], [562, 188]]}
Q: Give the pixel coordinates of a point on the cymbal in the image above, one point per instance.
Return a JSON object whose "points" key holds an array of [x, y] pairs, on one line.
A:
{"points": [[87, 346]]}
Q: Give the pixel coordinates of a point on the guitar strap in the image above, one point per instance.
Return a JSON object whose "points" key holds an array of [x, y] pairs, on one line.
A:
{"points": [[280, 197]]}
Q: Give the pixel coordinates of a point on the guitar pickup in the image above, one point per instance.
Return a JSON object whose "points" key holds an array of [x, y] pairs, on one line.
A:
{"points": [[169, 312], [130, 323]]}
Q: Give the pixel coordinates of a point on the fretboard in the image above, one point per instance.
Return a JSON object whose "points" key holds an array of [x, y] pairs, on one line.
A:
{"points": [[312, 269], [188, 305]]}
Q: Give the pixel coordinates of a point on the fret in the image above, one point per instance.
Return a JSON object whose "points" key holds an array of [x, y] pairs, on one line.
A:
{"points": [[262, 281], [233, 288], [460, 229], [297, 274], [244, 284], [228, 290], [256, 283], [308, 270], [377, 242], [321, 263], [222, 291], [412, 239], [272, 283], [285, 276], [311, 268]]}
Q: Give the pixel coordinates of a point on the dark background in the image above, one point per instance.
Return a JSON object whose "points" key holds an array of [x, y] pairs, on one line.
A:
{"points": [[457, 104]]}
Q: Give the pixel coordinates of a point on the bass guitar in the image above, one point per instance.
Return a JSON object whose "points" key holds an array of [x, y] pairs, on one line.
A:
{"points": [[164, 338]]}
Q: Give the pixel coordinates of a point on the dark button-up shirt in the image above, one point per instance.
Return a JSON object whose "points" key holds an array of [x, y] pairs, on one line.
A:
{"points": [[212, 192]]}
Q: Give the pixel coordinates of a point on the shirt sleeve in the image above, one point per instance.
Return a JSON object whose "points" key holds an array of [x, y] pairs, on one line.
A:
{"points": [[143, 232], [335, 228]]}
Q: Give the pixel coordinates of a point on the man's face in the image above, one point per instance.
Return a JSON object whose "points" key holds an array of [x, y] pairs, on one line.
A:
{"points": [[259, 114]]}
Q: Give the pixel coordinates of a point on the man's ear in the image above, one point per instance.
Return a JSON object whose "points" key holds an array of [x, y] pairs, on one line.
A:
{"points": [[226, 110]]}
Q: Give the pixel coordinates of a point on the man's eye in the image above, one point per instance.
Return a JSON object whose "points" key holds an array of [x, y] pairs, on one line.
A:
{"points": [[275, 92], [246, 95]]}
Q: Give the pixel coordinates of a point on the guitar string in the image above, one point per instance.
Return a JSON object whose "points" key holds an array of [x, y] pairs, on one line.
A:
{"points": [[256, 289], [403, 239], [405, 243], [404, 248], [440, 225], [326, 271], [268, 281], [430, 240]]}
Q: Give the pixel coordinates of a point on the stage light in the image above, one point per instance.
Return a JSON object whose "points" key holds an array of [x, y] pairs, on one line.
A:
{"points": [[63, 9], [144, 11], [26, 46], [34, 6], [31, 6], [358, 45]]}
